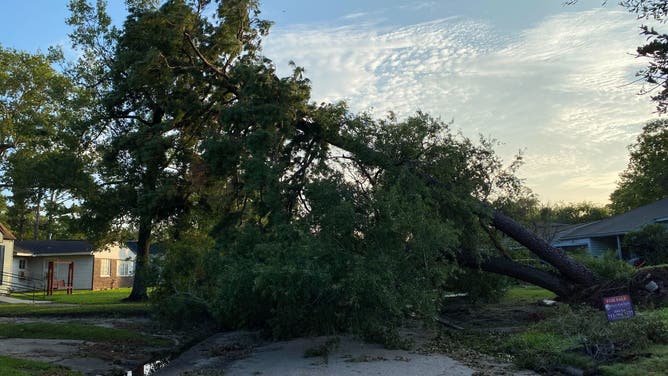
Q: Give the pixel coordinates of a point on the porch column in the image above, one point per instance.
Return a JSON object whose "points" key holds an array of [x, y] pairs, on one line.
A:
{"points": [[619, 248]]}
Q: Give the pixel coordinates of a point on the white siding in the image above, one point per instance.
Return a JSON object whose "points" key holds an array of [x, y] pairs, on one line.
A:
{"points": [[7, 264], [83, 270], [601, 245], [27, 283]]}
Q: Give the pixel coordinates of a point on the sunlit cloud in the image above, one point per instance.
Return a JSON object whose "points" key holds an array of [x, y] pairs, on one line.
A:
{"points": [[560, 90]]}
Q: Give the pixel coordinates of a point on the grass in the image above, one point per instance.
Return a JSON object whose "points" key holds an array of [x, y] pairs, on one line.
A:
{"points": [[86, 297], [84, 332], [547, 339], [19, 367], [524, 293], [653, 362], [82, 303], [106, 310]]}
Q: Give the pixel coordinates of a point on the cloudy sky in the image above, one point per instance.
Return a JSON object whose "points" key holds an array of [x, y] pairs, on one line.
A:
{"points": [[552, 81]]}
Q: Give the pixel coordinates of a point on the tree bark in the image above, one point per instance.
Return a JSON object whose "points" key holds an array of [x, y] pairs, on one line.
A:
{"points": [[35, 234], [139, 285], [510, 268], [556, 257]]}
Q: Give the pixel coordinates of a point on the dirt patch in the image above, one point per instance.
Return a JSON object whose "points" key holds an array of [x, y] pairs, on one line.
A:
{"points": [[92, 358]]}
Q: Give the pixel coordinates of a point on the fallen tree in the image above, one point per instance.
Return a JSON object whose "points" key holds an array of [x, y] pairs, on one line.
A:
{"points": [[570, 280]]}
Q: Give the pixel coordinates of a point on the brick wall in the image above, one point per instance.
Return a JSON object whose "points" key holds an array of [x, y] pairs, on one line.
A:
{"points": [[112, 281]]}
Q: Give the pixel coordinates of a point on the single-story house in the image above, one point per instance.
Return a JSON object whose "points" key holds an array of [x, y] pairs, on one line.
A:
{"points": [[93, 269], [607, 234], [6, 260]]}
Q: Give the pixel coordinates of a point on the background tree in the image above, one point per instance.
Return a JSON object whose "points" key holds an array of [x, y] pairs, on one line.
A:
{"points": [[656, 49], [39, 161], [649, 243], [646, 177], [161, 90]]}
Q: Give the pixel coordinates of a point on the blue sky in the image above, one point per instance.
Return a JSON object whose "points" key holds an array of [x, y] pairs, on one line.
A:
{"points": [[553, 81]]}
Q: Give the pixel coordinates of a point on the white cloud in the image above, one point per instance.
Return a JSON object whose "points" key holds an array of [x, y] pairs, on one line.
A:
{"points": [[559, 89]]}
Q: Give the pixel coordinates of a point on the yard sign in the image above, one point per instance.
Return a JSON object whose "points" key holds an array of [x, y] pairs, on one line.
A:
{"points": [[618, 307]]}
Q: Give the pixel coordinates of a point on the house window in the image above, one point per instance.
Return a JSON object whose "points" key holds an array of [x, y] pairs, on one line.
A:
{"points": [[22, 264], [126, 268], [105, 267]]}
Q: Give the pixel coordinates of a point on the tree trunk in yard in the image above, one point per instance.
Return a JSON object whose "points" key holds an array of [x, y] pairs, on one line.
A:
{"points": [[139, 284], [35, 234]]}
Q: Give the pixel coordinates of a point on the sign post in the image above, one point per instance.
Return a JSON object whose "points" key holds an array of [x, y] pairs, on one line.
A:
{"points": [[618, 307]]}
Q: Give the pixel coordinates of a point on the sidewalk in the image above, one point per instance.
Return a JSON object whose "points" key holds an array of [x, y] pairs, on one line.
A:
{"points": [[10, 300]]}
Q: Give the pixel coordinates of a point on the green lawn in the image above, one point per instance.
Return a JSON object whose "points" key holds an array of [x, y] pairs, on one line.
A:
{"points": [[107, 310], [555, 337], [653, 362], [83, 303], [526, 293], [77, 331], [83, 296], [19, 367]]}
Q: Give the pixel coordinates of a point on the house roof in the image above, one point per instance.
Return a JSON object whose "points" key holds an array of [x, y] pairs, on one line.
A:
{"points": [[619, 224], [6, 233], [53, 247]]}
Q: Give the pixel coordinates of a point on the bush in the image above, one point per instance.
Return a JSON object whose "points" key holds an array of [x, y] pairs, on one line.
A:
{"points": [[480, 286], [608, 266], [183, 286], [650, 243], [538, 350]]}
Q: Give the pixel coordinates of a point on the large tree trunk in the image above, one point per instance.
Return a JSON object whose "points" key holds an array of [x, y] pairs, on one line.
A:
{"points": [[566, 265], [139, 284], [541, 278], [35, 234]]}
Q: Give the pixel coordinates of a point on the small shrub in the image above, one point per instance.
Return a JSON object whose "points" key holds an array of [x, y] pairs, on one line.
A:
{"points": [[608, 266], [480, 286], [538, 350]]}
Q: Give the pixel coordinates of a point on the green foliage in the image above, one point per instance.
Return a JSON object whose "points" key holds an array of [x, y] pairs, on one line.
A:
{"points": [[608, 266], [160, 85], [20, 367], [649, 243], [573, 332], [524, 293], [645, 180], [480, 286], [538, 350], [339, 245], [182, 284], [39, 161], [527, 209]]}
